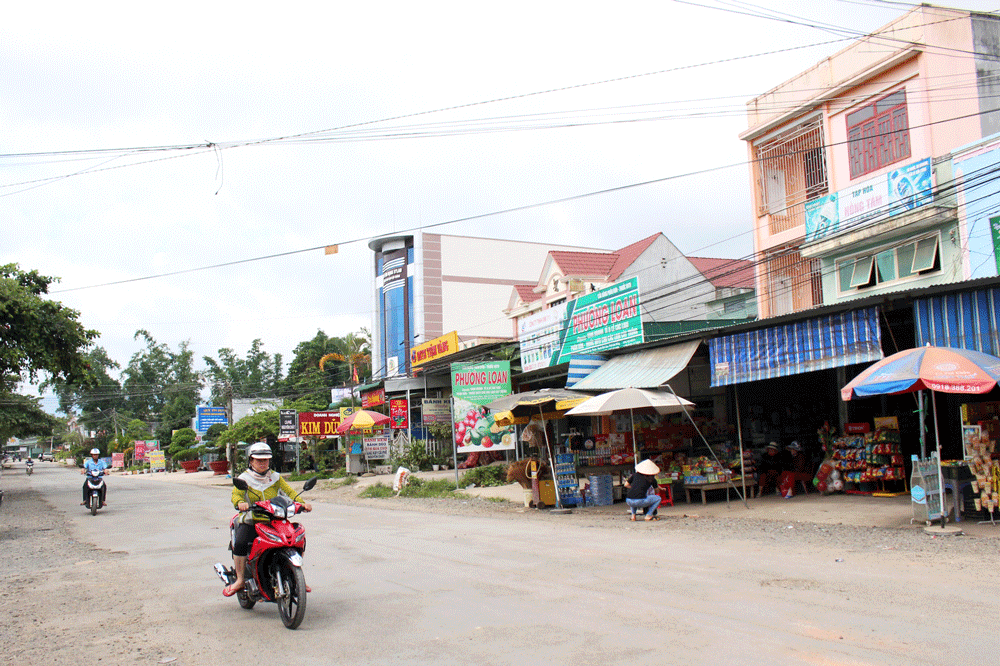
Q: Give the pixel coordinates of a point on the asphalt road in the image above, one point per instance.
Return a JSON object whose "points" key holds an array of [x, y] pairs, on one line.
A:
{"points": [[406, 587]]}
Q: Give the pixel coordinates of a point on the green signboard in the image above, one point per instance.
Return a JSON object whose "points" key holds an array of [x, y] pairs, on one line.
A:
{"points": [[605, 319]]}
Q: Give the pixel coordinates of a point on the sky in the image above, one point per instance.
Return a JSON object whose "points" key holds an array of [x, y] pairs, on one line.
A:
{"points": [[180, 167]]}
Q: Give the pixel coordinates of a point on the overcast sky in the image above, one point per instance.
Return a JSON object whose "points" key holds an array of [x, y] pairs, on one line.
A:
{"points": [[331, 123]]}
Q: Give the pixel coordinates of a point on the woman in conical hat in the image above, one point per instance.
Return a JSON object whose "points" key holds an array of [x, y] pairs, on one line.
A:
{"points": [[643, 490]]}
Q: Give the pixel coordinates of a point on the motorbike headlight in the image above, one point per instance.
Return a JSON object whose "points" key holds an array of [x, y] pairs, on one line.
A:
{"points": [[279, 512]]}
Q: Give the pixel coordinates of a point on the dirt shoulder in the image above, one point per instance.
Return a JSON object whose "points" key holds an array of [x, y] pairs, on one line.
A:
{"points": [[894, 514]]}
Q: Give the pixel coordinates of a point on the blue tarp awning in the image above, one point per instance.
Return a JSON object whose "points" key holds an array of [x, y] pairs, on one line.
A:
{"points": [[967, 320], [819, 343]]}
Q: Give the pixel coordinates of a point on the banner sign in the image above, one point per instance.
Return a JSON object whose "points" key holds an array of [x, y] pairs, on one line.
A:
{"points": [[434, 349], [376, 446], [373, 398], [399, 413], [157, 460], [892, 193], [209, 416], [142, 448], [472, 386], [319, 424], [117, 459], [286, 422], [435, 410], [605, 319]]}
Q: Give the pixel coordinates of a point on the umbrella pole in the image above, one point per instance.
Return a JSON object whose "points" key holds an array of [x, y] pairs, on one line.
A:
{"points": [[739, 438], [709, 447], [937, 440], [552, 460], [635, 449]]}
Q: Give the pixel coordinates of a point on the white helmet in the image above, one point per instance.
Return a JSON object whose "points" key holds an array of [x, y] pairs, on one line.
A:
{"points": [[95, 452], [259, 450]]}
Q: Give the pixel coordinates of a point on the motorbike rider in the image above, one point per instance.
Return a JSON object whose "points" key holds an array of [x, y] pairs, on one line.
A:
{"points": [[94, 462], [264, 484]]}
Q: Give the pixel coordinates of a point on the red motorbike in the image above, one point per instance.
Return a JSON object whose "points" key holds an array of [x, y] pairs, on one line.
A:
{"points": [[274, 566]]}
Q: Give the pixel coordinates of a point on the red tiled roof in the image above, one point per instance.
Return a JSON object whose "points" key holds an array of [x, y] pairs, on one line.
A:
{"points": [[628, 254], [584, 264], [725, 272], [526, 292]]}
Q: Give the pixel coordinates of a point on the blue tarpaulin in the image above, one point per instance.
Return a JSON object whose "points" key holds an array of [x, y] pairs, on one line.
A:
{"points": [[819, 343], [967, 320]]}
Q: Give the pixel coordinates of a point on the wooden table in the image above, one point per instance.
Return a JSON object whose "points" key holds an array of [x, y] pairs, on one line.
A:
{"points": [[718, 485]]}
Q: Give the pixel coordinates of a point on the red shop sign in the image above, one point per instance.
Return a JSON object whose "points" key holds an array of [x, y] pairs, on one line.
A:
{"points": [[319, 424], [857, 428], [399, 413], [373, 398]]}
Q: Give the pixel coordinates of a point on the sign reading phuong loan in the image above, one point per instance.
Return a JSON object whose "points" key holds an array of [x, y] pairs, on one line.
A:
{"points": [[474, 385], [605, 319]]}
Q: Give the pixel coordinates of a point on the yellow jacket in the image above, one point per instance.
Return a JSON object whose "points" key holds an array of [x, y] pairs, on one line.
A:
{"points": [[270, 487]]}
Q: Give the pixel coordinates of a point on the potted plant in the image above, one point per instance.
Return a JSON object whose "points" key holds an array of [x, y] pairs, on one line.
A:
{"points": [[183, 450]]}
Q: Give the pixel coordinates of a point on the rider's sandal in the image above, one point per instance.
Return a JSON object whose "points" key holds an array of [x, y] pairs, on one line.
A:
{"points": [[228, 591]]}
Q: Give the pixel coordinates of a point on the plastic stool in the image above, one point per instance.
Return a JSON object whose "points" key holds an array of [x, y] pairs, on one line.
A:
{"points": [[666, 495]]}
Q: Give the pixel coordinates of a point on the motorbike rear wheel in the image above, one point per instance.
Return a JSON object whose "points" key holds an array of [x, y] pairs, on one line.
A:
{"points": [[244, 598], [291, 607]]}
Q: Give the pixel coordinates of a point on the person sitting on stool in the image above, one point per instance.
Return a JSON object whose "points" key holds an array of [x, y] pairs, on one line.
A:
{"points": [[769, 470], [643, 490]]}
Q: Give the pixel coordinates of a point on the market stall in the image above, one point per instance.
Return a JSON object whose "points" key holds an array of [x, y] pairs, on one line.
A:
{"points": [[665, 429], [937, 369]]}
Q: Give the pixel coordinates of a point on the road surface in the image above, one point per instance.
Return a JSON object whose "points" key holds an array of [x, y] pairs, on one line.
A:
{"points": [[134, 585]]}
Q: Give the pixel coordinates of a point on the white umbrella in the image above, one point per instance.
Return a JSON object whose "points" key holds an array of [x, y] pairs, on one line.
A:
{"points": [[631, 399]]}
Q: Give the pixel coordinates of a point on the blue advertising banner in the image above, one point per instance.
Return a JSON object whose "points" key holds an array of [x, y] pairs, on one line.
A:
{"points": [[209, 416], [891, 193]]}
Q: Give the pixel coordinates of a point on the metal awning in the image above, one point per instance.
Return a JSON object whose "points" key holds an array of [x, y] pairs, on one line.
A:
{"points": [[966, 320], [648, 368], [820, 343]]}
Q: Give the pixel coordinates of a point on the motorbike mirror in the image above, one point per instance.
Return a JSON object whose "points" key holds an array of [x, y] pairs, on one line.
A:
{"points": [[240, 483], [310, 484]]}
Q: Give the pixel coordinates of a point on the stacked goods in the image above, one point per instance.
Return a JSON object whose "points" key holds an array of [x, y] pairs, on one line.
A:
{"points": [[566, 481], [705, 470], [608, 450], [979, 451], [872, 457], [601, 491]]}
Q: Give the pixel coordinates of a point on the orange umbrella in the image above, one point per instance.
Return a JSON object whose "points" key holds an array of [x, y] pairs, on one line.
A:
{"points": [[362, 420]]}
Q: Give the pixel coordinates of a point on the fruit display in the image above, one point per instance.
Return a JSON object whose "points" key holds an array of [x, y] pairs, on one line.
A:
{"points": [[479, 428]]}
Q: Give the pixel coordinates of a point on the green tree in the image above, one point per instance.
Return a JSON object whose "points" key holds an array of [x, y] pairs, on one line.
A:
{"points": [[161, 386], [39, 339], [306, 377], [256, 376], [181, 394], [99, 403], [183, 445]]}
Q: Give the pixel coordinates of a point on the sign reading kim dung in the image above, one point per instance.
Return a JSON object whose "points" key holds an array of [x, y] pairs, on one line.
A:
{"points": [[891, 193]]}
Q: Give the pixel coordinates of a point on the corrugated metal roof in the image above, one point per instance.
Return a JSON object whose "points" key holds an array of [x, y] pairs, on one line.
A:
{"points": [[648, 368]]}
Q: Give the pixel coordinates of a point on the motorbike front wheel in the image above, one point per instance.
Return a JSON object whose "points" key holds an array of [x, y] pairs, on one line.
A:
{"points": [[95, 501], [292, 606]]}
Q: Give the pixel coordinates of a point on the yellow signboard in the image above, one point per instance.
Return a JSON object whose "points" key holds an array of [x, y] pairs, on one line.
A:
{"points": [[434, 349]]}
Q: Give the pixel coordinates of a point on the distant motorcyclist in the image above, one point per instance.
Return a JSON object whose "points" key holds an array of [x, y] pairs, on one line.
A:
{"points": [[94, 463], [264, 484]]}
